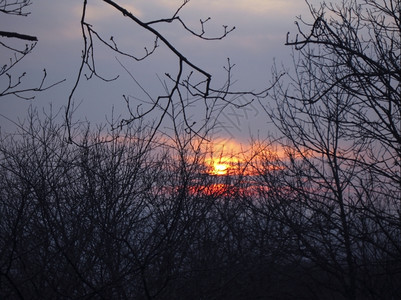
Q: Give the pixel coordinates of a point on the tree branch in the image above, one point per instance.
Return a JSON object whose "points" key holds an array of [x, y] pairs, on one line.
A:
{"points": [[18, 36]]}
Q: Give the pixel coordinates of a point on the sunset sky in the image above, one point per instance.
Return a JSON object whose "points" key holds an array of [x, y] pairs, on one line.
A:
{"points": [[258, 40]]}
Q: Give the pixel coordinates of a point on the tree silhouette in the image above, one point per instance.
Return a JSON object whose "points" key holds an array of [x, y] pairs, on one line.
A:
{"points": [[17, 51], [340, 120], [190, 85]]}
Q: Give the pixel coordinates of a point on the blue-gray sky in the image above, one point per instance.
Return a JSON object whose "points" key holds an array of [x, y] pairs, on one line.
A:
{"points": [[261, 27]]}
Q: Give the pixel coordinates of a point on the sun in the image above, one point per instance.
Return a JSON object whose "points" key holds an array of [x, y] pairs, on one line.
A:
{"points": [[220, 168], [222, 162]]}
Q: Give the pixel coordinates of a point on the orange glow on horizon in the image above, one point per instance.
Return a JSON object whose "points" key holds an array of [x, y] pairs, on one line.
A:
{"points": [[216, 189]]}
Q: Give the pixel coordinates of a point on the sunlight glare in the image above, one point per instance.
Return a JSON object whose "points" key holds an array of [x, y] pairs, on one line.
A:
{"points": [[220, 168]]}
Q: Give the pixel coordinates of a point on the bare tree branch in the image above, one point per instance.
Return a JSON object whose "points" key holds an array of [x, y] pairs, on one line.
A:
{"points": [[18, 36]]}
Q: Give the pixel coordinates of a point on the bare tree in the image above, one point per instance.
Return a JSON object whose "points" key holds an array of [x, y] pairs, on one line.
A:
{"points": [[78, 220], [339, 117], [127, 220], [17, 46], [189, 85]]}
